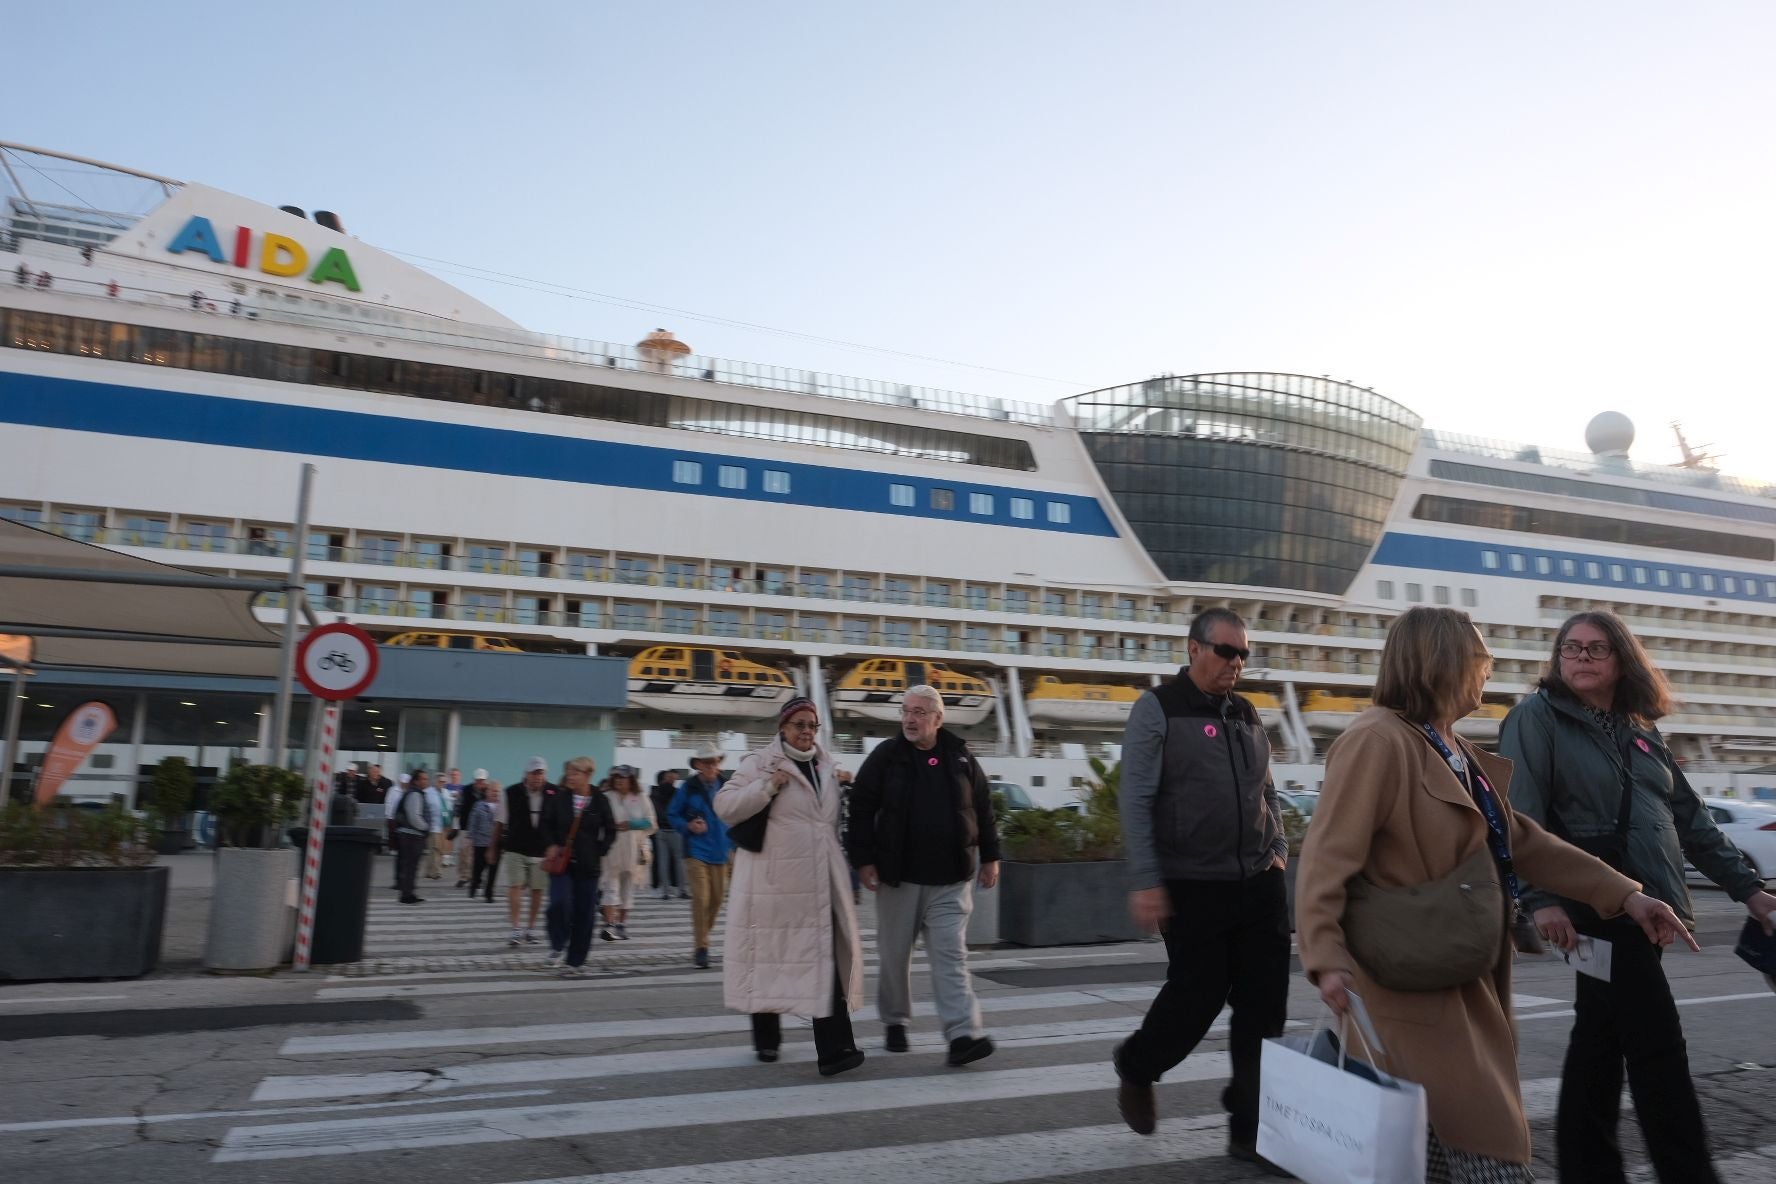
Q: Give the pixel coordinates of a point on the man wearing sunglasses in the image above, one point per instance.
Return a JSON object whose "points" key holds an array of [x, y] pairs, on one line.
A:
{"points": [[1204, 838]]}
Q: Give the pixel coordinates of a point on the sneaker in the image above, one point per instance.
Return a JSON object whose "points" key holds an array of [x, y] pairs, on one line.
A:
{"points": [[530, 939], [462, 883], [605, 934], [555, 958], [622, 933], [965, 1050], [517, 938], [573, 972], [700, 960], [897, 1038], [844, 1064], [767, 1055], [684, 895], [413, 900], [1248, 1153]]}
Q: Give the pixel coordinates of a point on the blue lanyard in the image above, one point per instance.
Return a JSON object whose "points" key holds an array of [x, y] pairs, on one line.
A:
{"points": [[1497, 836]]}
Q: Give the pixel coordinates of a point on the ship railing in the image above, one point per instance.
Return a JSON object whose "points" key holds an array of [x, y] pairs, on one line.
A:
{"points": [[375, 321], [1591, 463]]}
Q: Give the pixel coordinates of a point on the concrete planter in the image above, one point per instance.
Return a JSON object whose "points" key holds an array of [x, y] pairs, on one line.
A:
{"points": [[983, 922], [1064, 904], [81, 922], [250, 917]]}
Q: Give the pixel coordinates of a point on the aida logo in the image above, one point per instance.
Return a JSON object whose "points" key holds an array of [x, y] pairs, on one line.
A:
{"points": [[278, 254]]}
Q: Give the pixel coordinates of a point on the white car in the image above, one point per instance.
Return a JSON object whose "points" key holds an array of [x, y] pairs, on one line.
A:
{"points": [[1751, 826]]}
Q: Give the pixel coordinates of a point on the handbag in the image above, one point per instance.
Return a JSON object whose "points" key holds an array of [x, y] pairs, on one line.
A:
{"points": [[557, 861], [750, 832], [1432, 936], [1612, 848]]}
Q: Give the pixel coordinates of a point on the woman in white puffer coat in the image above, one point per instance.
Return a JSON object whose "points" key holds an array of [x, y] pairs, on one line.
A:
{"points": [[792, 936]]}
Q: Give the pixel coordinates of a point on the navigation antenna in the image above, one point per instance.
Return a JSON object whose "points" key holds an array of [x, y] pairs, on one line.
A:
{"points": [[1701, 456]]}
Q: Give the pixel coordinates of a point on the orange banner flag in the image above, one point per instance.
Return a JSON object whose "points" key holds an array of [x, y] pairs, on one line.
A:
{"points": [[84, 730]]}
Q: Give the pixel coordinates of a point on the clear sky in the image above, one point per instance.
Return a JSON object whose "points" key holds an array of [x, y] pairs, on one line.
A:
{"points": [[1507, 216]]}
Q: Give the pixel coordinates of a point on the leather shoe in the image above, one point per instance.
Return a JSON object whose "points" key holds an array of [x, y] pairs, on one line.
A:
{"points": [[767, 1055], [1248, 1152], [1135, 1101], [965, 1050], [897, 1038], [844, 1064]]}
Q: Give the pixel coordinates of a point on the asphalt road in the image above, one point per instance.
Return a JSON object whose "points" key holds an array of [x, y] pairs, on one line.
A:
{"points": [[513, 1076]]}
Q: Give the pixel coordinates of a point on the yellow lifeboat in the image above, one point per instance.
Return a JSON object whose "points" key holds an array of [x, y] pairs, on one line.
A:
{"points": [[875, 688], [1079, 704], [1269, 707], [696, 680], [1482, 723], [1327, 713]]}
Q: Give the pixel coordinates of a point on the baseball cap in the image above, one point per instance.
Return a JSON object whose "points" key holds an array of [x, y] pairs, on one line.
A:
{"points": [[536, 764], [405, 779], [480, 775]]}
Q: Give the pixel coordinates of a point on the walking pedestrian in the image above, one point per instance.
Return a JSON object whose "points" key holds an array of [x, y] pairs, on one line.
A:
{"points": [[1407, 802], [1591, 766], [793, 942], [669, 844], [1203, 834], [627, 860], [519, 843], [436, 810], [693, 818], [466, 801], [391, 803], [573, 893], [922, 828], [482, 820], [413, 827]]}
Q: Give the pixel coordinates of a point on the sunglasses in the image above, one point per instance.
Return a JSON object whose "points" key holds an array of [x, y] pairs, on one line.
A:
{"points": [[1228, 653]]}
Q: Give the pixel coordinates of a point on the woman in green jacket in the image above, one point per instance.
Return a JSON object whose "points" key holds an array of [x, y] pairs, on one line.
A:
{"points": [[1591, 766]]}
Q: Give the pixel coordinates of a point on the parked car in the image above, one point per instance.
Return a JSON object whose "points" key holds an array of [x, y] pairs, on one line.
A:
{"points": [[1304, 801], [1751, 826], [456, 641]]}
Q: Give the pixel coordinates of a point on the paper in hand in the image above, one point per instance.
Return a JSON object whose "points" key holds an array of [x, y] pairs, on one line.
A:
{"points": [[1591, 956]]}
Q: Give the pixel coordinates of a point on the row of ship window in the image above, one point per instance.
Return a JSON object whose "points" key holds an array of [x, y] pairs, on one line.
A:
{"points": [[1415, 594], [737, 477], [1621, 573]]}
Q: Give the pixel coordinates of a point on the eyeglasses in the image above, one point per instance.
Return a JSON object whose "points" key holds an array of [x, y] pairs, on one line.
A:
{"points": [[1230, 652], [802, 725], [917, 712], [1597, 651]]}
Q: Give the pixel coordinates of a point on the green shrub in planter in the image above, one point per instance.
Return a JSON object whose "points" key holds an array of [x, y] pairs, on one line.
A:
{"points": [[72, 837], [173, 786], [253, 803], [1091, 835]]}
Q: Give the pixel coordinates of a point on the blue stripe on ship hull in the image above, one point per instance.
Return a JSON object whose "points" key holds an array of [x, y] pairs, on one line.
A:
{"points": [[74, 405], [1468, 556]]}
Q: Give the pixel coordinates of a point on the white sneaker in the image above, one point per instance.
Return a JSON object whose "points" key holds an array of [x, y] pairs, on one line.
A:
{"points": [[555, 958], [574, 972], [517, 938]]}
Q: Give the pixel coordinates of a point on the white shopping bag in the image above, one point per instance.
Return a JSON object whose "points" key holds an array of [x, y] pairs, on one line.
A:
{"points": [[1333, 1120]]}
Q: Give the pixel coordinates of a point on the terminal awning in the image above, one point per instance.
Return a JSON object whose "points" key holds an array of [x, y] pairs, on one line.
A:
{"points": [[88, 607]]}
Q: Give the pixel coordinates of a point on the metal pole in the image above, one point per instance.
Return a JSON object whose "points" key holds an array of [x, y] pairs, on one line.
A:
{"points": [[280, 711], [13, 706]]}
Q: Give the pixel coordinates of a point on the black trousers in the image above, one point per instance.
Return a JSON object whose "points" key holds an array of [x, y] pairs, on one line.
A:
{"points": [[832, 1034], [1628, 1023], [1227, 943], [409, 848], [483, 864]]}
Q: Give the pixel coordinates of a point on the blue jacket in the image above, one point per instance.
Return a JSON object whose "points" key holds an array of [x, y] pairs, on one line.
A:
{"points": [[693, 799]]}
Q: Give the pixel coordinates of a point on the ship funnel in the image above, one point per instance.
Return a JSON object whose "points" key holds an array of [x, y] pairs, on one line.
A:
{"points": [[330, 220], [660, 351], [295, 212]]}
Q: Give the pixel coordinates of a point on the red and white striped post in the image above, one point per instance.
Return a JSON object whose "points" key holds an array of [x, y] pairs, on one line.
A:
{"points": [[317, 833]]}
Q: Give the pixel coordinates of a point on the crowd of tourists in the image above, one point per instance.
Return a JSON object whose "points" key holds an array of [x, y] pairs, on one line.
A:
{"points": [[1578, 830]]}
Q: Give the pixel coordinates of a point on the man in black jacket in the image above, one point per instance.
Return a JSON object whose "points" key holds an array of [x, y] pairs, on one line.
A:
{"points": [[921, 820], [1203, 836], [518, 835]]}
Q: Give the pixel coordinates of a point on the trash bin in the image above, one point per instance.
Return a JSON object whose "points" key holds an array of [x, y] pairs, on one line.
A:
{"points": [[342, 902]]}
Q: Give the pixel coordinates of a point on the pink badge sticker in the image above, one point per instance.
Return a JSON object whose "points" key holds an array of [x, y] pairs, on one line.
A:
{"points": [[1211, 731], [1641, 744], [931, 760]]}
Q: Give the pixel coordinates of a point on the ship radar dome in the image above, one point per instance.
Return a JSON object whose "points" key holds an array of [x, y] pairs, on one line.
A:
{"points": [[1610, 434]]}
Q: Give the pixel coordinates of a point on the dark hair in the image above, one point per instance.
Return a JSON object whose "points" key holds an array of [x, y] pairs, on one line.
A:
{"points": [[1428, 664], [1204, 622], [1641, 693]]}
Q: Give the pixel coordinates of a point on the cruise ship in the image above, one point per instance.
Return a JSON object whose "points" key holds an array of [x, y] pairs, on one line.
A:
{"points": [[170, 354]]}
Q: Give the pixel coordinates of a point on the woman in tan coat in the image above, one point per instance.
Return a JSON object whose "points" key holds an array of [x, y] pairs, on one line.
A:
{"points": [[1398, 811], [792, 936]]}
